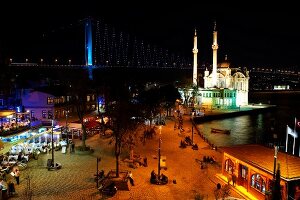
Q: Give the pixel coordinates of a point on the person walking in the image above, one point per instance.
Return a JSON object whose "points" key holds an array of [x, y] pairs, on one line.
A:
{"points": [[17, 176], [130, 178], [145, 162], [234, 179], [3, 188], [73, 147]]}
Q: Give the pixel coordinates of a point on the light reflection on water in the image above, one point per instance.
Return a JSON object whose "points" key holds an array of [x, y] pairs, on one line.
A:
{"points": [[245, 129], [249, 129]]}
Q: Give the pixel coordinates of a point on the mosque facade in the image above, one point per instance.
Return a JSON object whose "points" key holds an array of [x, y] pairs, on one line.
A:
{"points": [[224, 87]]}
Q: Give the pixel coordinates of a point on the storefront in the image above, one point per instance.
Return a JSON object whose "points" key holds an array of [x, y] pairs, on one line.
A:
{"points": [[30, 138], [252, 169], [12, 122]]}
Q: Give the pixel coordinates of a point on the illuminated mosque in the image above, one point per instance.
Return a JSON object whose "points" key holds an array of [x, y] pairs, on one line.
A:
{"points": [[224, 87]]}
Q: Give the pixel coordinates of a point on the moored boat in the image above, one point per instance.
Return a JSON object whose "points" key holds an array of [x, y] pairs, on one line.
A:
{"points": [[223, 131]]}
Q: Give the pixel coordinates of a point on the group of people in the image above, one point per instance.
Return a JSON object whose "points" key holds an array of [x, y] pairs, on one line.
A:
{"points": [[159, 180], [209, 159], [188, 142], [7, 186]]}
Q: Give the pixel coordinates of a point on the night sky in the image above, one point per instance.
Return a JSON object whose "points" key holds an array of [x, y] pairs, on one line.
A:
{"points": [[250, 34]]}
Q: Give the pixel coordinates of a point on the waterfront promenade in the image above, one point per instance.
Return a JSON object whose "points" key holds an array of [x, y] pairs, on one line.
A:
{"points": [[76, 178]]}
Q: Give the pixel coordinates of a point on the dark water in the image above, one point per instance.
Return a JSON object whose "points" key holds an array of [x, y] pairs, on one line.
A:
{"points": [[257, 128]]}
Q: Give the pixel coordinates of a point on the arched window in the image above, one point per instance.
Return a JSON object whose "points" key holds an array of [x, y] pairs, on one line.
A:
{"points": [[229, 166], [258, 183]]}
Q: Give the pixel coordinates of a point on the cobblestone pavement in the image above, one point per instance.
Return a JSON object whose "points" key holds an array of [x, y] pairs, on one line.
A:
{"points": [[76, 178]]}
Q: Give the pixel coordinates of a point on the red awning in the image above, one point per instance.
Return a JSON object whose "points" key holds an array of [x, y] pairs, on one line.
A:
{"points": [[92, 124]]}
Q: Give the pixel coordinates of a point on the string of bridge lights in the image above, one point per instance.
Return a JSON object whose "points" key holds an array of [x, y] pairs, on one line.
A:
{"points": [[118, 48]]}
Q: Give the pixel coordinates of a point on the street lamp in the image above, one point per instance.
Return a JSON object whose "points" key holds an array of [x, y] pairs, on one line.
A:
{"points": [[67, 111], [52, 145], [159, 142], [29, 113]]}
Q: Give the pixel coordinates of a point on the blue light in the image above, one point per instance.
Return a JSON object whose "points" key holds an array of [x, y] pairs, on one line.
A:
{"points": [[42, 130], [18, 109], [88, 43]]}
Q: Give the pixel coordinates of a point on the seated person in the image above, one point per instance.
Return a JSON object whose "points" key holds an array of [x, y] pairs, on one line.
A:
{"points": [[153, 175], [101, 173], [153, 178], [164, 178], [183, 144], [195, 147], [20, 156]]}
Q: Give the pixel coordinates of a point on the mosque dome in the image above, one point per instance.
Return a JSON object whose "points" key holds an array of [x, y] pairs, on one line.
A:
{"points": [[225, 63]]}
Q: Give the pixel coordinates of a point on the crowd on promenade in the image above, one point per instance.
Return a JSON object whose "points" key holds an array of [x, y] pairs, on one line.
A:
{"points": [[186, 178]]}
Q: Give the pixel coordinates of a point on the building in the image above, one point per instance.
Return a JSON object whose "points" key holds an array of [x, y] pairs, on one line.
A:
{"points": [[253, 167], [45, 103], [40, 105], [224, 87]]}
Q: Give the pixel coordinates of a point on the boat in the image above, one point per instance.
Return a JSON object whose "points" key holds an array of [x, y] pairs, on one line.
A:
{"points": [[223, 131]]}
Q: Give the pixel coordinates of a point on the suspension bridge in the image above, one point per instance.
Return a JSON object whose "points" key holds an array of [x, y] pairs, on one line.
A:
{"points": [[97, 45]]}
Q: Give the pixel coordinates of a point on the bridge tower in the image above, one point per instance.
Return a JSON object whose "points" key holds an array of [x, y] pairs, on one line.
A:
{"points": [[89, 47]]}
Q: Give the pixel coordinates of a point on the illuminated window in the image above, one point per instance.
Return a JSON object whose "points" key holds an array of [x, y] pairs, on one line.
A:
{"points": [[32, 114], [44, 113], [50, 100], [258, 183], [88, 98], [229, 166], [50, 115], [244, 172]]}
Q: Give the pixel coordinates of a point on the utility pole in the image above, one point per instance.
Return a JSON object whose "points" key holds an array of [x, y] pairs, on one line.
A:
{"points": [[159, 141], [67, 134], [52, 145], [275, 160]]}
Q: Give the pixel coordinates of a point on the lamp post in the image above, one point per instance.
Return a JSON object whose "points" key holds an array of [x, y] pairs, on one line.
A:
{"points": [[159, 142], [67, 135], [29, 114], [52, 144], [275, 160]]}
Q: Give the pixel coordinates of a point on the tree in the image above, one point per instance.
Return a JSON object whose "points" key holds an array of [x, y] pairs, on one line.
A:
{"points": [[169, 94], [79, 91], [80, 105], [149, 101], [156, 99], [124, 120], [153, 101]]}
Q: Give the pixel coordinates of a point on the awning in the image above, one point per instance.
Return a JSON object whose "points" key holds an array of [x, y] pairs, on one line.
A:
{"points": [[92, 124], [5, 113]]}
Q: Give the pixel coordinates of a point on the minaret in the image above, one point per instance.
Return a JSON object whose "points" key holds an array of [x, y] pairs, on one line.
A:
{"points": [[215, 55], [195, 52]]}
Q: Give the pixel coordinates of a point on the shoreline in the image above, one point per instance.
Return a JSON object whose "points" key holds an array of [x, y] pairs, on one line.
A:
{"points": [[222, 114]]}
